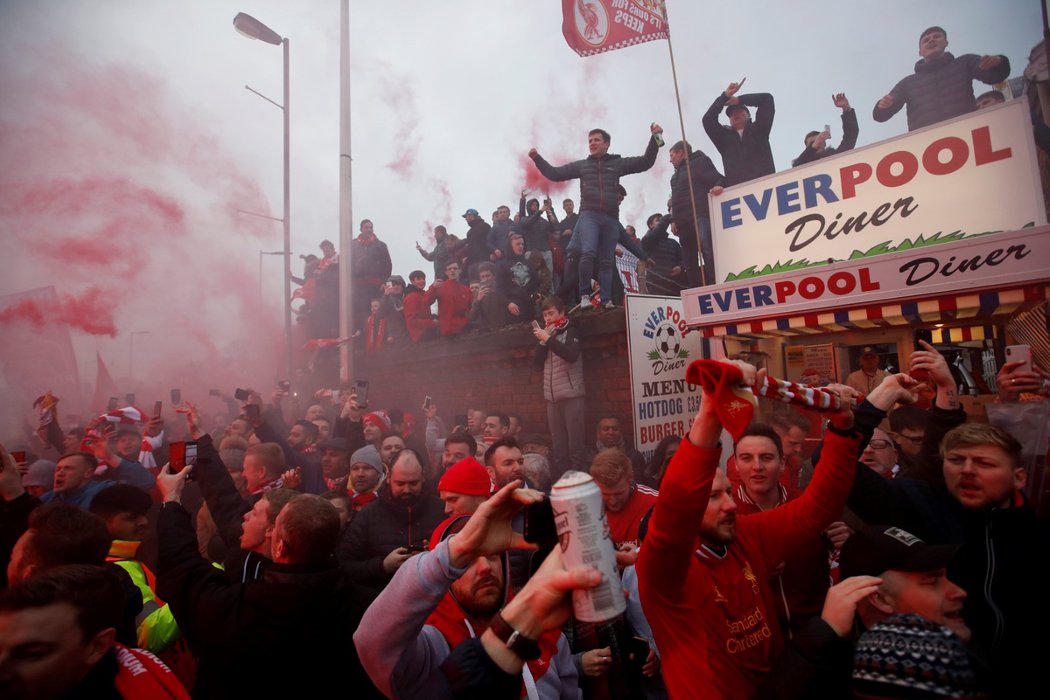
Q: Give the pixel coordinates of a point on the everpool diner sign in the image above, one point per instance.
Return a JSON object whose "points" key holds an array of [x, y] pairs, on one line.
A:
{"points": [[970, 175], [984, 262]]}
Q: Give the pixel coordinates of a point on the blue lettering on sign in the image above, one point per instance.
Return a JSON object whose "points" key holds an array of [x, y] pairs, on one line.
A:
{"points": [[816, 190], [763, 295], [740, 298], [655, 317]]}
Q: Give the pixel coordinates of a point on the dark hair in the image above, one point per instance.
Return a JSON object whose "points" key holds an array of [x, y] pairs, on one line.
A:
{"points": [[656, 466], [504, 419], [366, 221], [806, 139], [553, 302], [451, 262], [682, 146], [60, 533], [416, 273], [533, 201], [931, 30], [95, 592], [462, 437], [994, 94], [907, 417], [309, 529], [312, 431], [121, 498], [486, 267], [605, 134], [276, 500], [89, 458], [505, 441], [786, 420], [322, 243], [441, 228], [521, 421], [649, 221], [762, 430]]}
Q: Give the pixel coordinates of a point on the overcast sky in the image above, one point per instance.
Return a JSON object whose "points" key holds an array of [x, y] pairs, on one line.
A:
{"points": [[128, 121]]}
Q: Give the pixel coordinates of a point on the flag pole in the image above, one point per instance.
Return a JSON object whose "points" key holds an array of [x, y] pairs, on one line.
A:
{"points": [[688, 165], [346, 351]]}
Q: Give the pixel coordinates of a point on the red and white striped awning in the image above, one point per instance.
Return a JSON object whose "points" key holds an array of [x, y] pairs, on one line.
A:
{"points": [[977, 308]]}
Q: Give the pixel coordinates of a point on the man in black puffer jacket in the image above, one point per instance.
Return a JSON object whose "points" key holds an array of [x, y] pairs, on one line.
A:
{"points": [[942, 85], [599, 227], [705, 177]]}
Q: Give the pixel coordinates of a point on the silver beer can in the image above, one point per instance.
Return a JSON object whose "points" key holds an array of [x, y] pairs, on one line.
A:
{"points": [[583, 531]]}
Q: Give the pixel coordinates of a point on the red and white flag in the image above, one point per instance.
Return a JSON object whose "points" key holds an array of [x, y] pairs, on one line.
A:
{"points": [[596, 26]]}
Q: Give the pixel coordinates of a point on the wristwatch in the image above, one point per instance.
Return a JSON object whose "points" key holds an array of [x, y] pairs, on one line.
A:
{"points": [[525, 648]]}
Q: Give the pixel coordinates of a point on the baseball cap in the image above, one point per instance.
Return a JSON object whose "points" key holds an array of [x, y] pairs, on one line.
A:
{"points": [[880, 548], [468, 212], [868, 350]]}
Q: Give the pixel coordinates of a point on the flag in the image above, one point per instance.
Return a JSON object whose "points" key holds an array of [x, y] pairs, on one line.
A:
{"points": [[596, 26], [105, 387]]}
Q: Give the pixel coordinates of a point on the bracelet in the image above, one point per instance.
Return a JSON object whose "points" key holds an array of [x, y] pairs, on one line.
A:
{"points": [[525, 648]]}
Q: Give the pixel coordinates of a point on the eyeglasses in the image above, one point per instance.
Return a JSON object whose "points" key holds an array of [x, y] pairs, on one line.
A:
{"points": [[879, 444]]}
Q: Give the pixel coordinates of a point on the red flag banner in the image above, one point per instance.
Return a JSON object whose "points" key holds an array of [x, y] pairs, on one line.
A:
{"points": [[596, 26]]}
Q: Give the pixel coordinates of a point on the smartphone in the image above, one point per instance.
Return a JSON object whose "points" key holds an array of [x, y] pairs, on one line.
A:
{"points": [[827, 128], [214, 392], [18, 455], [241, 394], [638, 650], [1020, 353], [427, 402], [182, 455], [284, 385], [112, 405], [156, 408], [176, 397], [361, 389], [416, 548], [535, 325], [251, 411], [130, 398], [539, 525], [921, 334]]}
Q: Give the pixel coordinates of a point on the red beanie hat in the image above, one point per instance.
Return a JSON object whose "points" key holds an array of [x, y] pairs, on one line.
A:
{"points": [[378, 419], [467, 477]]}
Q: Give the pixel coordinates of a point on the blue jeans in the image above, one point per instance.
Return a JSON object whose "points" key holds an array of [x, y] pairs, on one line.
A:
{"points": [[597, 239]]}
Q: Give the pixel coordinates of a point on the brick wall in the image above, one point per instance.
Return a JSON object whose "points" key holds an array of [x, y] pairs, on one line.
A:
{"points": [[493, 371]]}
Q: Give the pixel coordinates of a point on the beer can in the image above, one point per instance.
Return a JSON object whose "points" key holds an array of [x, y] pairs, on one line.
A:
{"points": [[583, 532]]}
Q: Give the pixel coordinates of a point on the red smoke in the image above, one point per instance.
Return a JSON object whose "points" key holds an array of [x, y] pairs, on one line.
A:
{"points": [[536, 183], [90, 312], [125, 200]]}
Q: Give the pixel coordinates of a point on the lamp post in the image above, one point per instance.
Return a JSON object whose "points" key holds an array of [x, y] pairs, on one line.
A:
{"points": [[131, 353], [254, 29]]}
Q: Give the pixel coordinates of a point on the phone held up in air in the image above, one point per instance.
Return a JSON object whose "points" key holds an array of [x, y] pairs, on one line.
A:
{"points": [[176, 397], [241, 394], [157, 405], [427, 403], [1020, 353], [182, 455], [361, 389], [921, 334]]}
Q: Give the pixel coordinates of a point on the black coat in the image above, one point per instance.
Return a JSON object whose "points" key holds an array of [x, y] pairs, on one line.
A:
{"points": [[743, 157], [381, 527], [599, 177], [705, 176], [850, 131], [940, 89], [279, 637]]}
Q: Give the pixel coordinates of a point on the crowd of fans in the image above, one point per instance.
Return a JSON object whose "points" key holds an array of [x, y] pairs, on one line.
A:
{"points": [[341, 536], [496, 274], [281, 550]]}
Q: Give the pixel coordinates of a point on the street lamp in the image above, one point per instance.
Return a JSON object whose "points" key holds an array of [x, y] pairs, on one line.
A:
{"points": [[254, 29]]}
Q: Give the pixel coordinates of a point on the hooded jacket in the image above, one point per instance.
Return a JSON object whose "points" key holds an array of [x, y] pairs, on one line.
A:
{"points": [[747, 155]]}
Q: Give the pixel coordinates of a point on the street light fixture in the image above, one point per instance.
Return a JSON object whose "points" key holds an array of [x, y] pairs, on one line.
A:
{"points": [[254, 29]]}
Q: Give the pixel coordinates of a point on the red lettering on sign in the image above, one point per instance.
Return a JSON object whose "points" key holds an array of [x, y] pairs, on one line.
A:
{"points": [[853, 175], [909, 166], [983, 152]]}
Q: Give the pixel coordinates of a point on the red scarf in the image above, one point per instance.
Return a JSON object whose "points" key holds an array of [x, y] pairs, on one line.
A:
{"points": [[359, 501], [450, 619]]}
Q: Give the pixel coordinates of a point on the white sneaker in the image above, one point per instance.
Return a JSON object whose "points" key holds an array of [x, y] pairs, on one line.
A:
{"points": [[585, 304]]}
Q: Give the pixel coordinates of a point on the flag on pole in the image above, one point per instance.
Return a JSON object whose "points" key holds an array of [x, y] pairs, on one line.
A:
{"points": [[596, 26]]}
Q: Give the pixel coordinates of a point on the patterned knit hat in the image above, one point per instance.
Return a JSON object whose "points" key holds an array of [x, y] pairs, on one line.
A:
{"points": [[907, 656], [378, 419]]}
